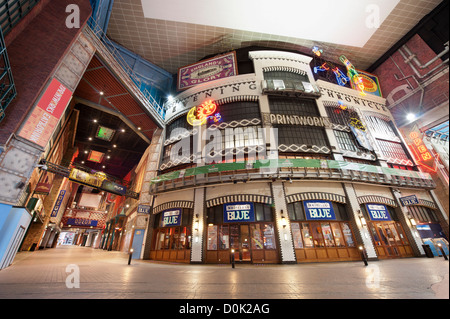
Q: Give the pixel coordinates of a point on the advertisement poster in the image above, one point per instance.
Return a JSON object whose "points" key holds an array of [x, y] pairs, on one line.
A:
{"points": [[46, 114], [208, 70], [371, 83]]}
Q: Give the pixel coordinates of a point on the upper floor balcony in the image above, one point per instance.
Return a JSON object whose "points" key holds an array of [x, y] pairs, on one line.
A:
{"points": [[289, 170]]}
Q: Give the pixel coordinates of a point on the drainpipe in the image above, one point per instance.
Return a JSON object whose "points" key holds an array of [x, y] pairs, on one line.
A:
{"points": [[413, 57], [417, 62]]}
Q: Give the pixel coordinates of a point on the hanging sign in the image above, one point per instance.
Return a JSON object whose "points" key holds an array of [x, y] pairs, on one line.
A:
{"points": [[171, 217], [82, 222], [415, 142], [319, 209], [143, 209], [238, 212], [378, 212], [409, 200], [58, 203]]}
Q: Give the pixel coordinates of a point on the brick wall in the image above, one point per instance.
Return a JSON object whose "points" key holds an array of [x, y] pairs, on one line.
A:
{"points": [[34, 54]]}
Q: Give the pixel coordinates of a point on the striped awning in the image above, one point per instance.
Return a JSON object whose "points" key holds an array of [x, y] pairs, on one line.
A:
{"points": [[173, 204], [239, 198], [315, 195]]}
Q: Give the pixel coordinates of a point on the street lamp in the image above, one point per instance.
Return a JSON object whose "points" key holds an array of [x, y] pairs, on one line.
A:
{"points": [[232, 257], [363, 255], [131, 254], [442, 251]]}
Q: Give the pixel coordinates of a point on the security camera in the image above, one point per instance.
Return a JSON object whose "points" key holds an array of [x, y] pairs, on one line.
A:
{"points": [[42, 166]]}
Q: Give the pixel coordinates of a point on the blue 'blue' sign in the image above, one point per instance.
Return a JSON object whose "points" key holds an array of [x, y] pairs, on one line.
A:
{"points": [[378, 212], [409, 200], [319, 209], [238, 212], [171, 217]]}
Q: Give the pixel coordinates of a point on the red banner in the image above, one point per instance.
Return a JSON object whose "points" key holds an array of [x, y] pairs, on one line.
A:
{"points": [[46, 114]]}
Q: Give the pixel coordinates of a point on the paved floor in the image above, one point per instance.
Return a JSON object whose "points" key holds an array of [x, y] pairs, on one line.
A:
{"points": [[68, 272]]}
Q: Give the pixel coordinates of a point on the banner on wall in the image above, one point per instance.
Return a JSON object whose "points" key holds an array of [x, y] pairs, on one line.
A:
{"points": [[208, 70], [46, 114], [58, 203], [319, 209], [238, 212], [378, 212]]}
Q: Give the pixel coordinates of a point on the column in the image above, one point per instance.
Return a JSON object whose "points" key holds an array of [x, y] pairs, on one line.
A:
{"points": [[198, 226], [362, 232], [286, 243], [410, 230], [151, 171]]}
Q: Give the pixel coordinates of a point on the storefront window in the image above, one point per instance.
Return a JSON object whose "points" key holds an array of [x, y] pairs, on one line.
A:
{"points": [[269, 236], [348, 234], [337, 234], [212, 237], [224, 237], [327, 235], [307, 237], [317, 235], [297, 235], [257, 239]]}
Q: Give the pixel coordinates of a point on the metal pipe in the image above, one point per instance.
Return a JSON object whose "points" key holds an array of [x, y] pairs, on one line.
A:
{"points": [[416, 60]]}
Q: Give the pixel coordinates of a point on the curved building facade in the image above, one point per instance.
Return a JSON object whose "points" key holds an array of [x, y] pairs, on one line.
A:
{"points": [[272, 166]]}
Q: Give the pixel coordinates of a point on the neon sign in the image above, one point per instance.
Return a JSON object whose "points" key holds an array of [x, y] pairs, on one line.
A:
{"points": [[353, 74], [317, 51], [421, 152], [198, 115]]}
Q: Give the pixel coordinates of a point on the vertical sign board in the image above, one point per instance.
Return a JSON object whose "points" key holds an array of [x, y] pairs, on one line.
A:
{"points": [[58, 203], [238, 212], [413, 137], [319, 209], [378, 212], [46, 114], [171, 217]]}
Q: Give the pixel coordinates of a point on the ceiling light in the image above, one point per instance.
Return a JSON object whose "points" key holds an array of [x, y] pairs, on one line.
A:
{"points": [[85, 152], [122, 130], [411, 117], [170, 98], [95, 121], [82, 162], [139, 128], [101, 93], [114, 145], [108, 157], [103, 166], [90, 138]]}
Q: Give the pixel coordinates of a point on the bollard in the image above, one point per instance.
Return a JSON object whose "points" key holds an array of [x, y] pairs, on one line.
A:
{"points": [[232, 258], [363, 255], [130, 255], [442, 251]]}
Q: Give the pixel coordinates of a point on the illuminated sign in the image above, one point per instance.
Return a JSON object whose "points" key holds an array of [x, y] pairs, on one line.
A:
{"points": [[238, 212], [299, 120], [105, 133], [370, 83], [208, 70], [171, 217], [353, 75], [82, 222], [199, 114], [46, 114], [319, 209], [317, 51], [58, 203], [378, 212], [409, 200], [82, 177], [95, 156], [420, 151]]}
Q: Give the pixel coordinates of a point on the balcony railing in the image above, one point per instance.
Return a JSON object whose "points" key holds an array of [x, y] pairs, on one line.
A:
{"points": [[289, 170]]}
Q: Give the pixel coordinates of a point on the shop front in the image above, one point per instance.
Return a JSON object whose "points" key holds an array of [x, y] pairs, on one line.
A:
{"points": [[387, 233], [244, 230], [321, 231], [172, 235]]}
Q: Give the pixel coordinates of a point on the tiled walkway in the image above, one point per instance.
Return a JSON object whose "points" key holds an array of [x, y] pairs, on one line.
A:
{"points": [[50, 273]]}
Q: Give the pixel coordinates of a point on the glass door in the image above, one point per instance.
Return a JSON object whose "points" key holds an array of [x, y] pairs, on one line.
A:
{"points": [[240, 242]]}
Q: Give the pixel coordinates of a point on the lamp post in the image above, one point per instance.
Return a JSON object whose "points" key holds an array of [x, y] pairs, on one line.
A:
{"points": [[442, 251], [130, 255], [363, 255]]}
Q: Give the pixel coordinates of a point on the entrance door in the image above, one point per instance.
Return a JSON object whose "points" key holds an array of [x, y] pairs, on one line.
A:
{"points": [[240, 242], [389, 239]]}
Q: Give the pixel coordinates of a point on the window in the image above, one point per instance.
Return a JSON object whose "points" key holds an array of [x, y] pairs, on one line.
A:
{"points": [[381, 127], [422, 214], [322, 234], [290, 80], [346, 141], [393, 150]]}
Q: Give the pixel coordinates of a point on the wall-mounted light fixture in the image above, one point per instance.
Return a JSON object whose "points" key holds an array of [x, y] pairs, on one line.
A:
{"points": [[361, 218], [196, 223]]}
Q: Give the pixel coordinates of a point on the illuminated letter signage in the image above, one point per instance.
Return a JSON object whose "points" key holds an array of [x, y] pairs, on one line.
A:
{"points": [[420, 151], [238, 212], [378, 212], [319, 209]]}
